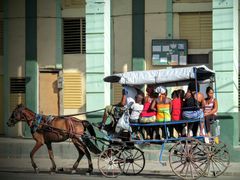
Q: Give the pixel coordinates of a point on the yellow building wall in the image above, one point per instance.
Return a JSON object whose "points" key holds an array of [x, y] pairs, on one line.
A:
{"points": [[46, 33], [16, 38], [1, 104], [122, 35]]}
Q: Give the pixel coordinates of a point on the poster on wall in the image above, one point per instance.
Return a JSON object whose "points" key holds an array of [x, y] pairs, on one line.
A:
{"points": [[169, 52]]}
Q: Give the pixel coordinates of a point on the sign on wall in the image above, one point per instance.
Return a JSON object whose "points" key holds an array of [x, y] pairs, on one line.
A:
{"points": [[169, 52]]}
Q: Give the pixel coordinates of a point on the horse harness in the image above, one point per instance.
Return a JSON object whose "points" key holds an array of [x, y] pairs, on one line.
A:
{"points": [[38, 125]]}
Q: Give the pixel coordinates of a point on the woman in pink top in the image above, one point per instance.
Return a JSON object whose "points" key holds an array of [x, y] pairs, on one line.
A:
{"points": [[147, 115], [210, 110]]}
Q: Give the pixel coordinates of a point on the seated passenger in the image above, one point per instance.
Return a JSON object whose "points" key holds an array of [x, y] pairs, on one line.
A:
{"points": [[136, 109], [210, 110], [148, 115], [176, 111], [128, 96], [162, 106], [193, 108]]}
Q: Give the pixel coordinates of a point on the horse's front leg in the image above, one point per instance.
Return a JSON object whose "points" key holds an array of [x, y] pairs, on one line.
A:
{"points": [[34, 150], [51, 156]]}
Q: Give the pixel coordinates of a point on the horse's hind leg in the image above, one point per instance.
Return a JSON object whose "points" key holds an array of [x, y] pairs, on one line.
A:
{"points": [[35, 148], [82, 148], [51, 156], [90, 165], [80, 155]]}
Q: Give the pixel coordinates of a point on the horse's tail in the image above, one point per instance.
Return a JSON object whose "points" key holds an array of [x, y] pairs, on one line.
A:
{"points": [[89, 127], [93, 147]]}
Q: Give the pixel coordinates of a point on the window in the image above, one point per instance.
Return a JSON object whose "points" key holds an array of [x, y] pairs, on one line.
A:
{"points": [[17, 85], [198, 59], [74, 35], [73, 90], [17, 91], [197, 29]]}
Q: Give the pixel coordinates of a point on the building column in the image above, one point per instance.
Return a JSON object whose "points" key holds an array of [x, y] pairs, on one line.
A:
{"points": [[31, 57], [225, 63], [98, 53], [59, 50], [169, 19], [138, 35], [6, 89]]}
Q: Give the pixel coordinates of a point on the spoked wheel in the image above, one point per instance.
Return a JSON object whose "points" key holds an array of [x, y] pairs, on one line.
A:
{"points": [[109, 162], [188, 158], [219, 159], [134, 161]]}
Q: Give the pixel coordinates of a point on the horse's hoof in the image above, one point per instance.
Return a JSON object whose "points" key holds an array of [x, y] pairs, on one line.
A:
{"points": [[89, 172], [73, 171], [36, 170], [52, 172]]}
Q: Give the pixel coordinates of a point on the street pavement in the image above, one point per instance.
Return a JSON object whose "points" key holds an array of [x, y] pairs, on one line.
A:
{"points": [[151, 167], [14, 159]]}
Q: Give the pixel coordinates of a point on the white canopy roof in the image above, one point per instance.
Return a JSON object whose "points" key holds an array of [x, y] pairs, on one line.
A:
{"points": [[161, 76]]}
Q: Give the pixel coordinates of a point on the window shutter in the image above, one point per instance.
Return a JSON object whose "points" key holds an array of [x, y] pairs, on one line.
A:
{"points": [[74, 35], [73, 4], [197, 29], [117, 93], [17, 92], [73, 91]]}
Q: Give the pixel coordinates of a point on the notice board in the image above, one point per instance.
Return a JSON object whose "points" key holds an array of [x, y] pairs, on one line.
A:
{"points": [[169, 52]]}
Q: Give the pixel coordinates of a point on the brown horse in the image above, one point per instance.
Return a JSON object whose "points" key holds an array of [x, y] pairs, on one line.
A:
{"points": [[48, 129]]}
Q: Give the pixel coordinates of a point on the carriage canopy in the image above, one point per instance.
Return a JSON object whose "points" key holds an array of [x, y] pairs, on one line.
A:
{"points": [[163, 76]]}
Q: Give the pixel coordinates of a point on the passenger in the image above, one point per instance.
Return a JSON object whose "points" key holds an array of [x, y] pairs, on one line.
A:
{"points": [[136, 108], [162, 106], [148, 115], [210, 110], [176, 110], [128, 96], [193, 108]]}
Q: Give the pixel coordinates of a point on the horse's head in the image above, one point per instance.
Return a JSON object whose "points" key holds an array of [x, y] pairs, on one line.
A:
{"points": [[17, 115]]}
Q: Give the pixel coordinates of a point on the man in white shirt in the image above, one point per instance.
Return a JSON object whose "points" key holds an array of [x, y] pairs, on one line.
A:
{"points": [[128, 97]]}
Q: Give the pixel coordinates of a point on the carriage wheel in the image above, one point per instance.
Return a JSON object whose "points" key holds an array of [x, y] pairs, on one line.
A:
{"points": [[219, 159], [188, 158], [108, 162], [134, 161]]}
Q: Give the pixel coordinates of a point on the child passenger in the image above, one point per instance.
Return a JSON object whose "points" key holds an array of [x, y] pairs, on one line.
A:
{"points": [[136, 108]]}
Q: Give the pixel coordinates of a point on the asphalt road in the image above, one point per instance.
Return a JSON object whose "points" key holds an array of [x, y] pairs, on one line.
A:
{"points": [[27, 175]]}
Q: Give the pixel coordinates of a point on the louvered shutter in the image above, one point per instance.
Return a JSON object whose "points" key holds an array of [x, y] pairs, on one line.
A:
{"points": [[192, 1], [197, 29], [17, 92], [74, 32], [73, 90], [117, 93]]}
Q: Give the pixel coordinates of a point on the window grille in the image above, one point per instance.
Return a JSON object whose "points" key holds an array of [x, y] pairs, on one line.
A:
{"points": [[17, 85], [74, 34]]}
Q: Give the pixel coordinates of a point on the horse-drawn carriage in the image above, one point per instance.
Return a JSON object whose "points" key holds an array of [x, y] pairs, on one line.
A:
{"points": [[189, 158]]}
